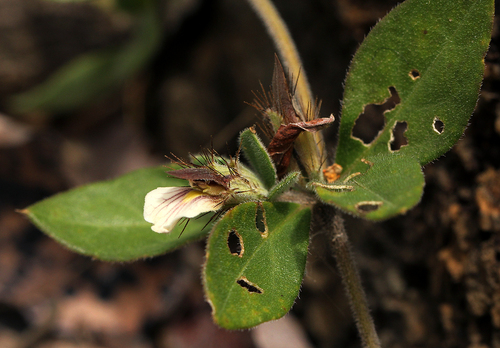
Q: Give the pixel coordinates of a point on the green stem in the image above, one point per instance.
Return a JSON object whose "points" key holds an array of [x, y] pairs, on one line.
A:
{"points": [[310, 146], [352, 284]]}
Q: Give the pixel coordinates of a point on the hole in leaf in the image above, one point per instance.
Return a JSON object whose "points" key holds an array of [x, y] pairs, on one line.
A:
{"points": [[235, 243], [368, 206], [438, 125], [398, 138], [251, 288], [260, 220], [414, 74], [371, 122]]}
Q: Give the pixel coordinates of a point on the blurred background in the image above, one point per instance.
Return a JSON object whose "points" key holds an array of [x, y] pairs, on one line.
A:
{"points": [[90, 90]]}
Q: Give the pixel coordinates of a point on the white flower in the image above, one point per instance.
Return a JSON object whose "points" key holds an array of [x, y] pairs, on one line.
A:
{"points": [[213, 185], [165, 206]]}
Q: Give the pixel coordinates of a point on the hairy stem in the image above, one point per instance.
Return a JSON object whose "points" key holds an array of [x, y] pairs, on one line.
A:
{"points": [[352, 284], [309, 146]]}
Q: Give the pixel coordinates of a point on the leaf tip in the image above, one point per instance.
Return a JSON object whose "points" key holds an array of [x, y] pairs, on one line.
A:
{"points": [[24, 211]]}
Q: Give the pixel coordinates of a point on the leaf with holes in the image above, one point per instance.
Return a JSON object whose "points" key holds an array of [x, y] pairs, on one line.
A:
{"points": [[410, 91], [256, 257], [429, 56], [386, 185], [105, 220]]}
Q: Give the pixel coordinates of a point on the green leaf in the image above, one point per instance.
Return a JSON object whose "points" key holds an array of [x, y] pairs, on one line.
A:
{"points": [[444, 43], [105, 219], [258, 157], [285, 184], [92, 75], [386, 185], [429, 56], [256, 257]]}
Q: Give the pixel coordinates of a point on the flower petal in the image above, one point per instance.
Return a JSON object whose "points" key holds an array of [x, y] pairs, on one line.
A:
{"points": [[165, 206]]}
